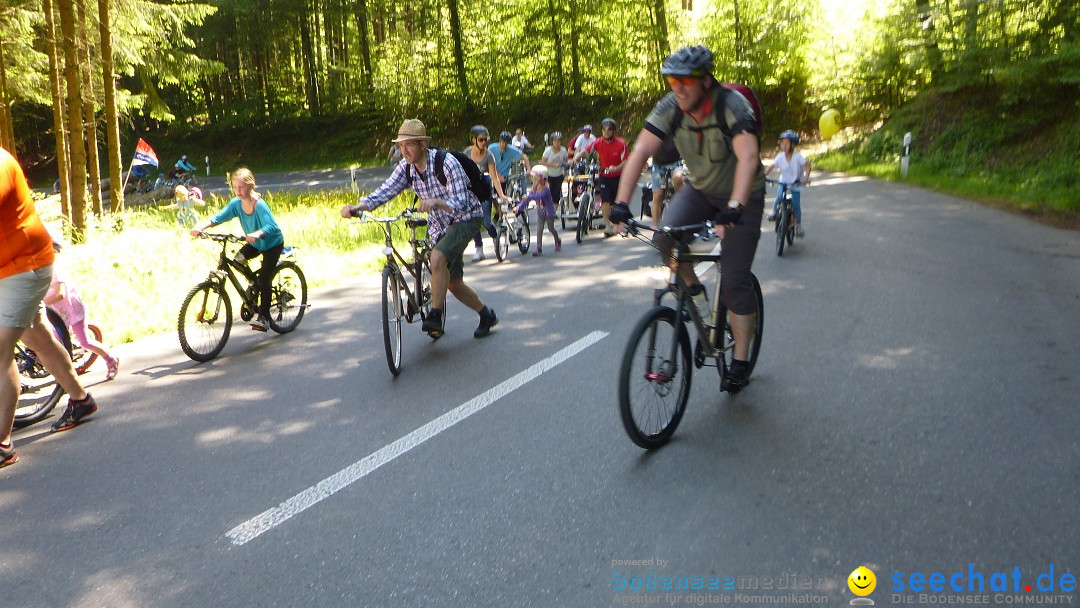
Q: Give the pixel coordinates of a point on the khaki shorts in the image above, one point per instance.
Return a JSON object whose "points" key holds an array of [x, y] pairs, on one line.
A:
{"points": [[452, 245], [20, 296]]}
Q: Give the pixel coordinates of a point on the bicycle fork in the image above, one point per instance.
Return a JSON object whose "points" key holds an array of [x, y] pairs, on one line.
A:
{"points": [[217, 277]]}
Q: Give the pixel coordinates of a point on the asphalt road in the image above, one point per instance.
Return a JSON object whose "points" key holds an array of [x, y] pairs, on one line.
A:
{"points": [[914, 411]]}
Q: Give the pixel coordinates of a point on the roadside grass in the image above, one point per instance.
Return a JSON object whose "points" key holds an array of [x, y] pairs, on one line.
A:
{"points": [[968, 145], [135, 267]]}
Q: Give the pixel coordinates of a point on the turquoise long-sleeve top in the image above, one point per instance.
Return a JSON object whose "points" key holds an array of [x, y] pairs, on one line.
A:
{"points": [[261, 219]]}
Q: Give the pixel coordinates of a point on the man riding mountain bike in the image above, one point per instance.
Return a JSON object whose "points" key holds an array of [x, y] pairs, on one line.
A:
{"points": [[716, 132]]}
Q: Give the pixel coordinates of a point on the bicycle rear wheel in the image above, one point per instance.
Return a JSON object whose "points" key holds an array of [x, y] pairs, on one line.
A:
{"points": [[791, 229], [39, 391], [288, 298], [653, 386], [205, 321], [83, 358], [727, 344], [392, 317]]}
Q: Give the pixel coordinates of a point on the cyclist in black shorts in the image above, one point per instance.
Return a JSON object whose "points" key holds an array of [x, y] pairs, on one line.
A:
{"points": [[715, 130]]}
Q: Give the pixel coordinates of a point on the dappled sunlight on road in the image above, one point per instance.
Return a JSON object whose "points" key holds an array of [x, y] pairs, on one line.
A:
{"points": [[771, 287], [891, 358], [265, 432]]}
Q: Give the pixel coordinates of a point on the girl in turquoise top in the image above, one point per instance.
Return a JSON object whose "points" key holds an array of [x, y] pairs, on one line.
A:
{"points": [[263, 236]]}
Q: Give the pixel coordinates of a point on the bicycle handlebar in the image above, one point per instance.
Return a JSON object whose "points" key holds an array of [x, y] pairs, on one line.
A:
{"points": [[704, 230], [222, 238], [779, 183], [367, 216]]}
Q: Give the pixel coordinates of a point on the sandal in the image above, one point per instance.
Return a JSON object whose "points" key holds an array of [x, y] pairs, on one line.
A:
{"points": [[8, 456], [114, 366]]}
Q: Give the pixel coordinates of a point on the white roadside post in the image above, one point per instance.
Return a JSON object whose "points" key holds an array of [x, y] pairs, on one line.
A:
{"points": [[905, 160]]}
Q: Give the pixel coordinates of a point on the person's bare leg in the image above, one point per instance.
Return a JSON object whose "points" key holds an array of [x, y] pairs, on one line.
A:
{"points": [[41, 340], [10, 383], [466, 295], [440, 279]]}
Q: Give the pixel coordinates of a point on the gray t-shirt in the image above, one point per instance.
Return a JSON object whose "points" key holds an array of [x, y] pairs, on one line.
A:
{"points": [[704, 147], [550, 156], [483, 163]]}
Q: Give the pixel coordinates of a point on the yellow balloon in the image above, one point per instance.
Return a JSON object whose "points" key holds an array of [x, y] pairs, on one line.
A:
{"points": [[829, 124]]}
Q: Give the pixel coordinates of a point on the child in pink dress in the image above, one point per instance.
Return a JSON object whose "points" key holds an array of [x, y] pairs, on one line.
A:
{"points": [[64, 299]]}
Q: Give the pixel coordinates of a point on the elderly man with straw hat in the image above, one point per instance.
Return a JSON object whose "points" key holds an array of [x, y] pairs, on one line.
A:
{"points": [[454, 216]]}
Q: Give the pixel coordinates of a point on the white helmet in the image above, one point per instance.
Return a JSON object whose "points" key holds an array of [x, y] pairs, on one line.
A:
{"points": [[539, 170]]}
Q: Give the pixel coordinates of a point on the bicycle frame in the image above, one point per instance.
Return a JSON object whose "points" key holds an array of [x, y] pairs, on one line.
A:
{"points": [[228, 267], [421, 251], [681, 291]]}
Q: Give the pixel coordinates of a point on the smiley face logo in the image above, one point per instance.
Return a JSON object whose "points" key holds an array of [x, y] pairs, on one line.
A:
{"points": [[862, 581]]}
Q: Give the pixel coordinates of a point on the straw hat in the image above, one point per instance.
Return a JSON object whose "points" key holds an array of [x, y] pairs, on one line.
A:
{"points": [[412, 129]]}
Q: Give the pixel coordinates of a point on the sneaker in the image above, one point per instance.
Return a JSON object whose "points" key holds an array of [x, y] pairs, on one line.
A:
{"points": [[487, 321], [8, 456], [260, 323], [478, 256], [75, 412], [538, 253], [771, 216], [113, 366], [799, 232], [433, 323], [558, 246], [736, 377]]}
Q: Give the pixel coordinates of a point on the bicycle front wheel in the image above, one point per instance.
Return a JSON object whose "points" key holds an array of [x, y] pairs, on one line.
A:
{"points": [[392, 316], [205, 321], [654, 378], [781, 230], [524, 235], [288, 298], [502, 242]]}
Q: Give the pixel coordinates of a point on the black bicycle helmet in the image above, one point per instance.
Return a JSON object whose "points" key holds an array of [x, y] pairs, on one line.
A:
{"points": [[792, 135], [696, 61], [609, 122], [505, 136], [479, 130]]}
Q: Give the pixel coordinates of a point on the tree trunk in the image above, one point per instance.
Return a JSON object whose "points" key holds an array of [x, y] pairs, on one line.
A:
{"points": [[7, 128], [74, 100], [575, 69], [89, 114], [59, 129], [112, 121], [556, 36], [459, 55], [365, 43], [307, 56], [662, 44], [925, 23]]}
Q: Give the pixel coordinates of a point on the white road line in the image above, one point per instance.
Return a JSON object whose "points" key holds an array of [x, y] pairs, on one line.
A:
{"points": [[271, 518]]}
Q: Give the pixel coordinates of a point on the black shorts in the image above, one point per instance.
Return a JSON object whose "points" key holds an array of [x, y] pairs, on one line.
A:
{"points": [[609, 187], [691, 206]]}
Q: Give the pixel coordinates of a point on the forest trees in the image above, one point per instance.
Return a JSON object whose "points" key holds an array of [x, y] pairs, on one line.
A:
{"points": [[223, 64], [60, 54]]}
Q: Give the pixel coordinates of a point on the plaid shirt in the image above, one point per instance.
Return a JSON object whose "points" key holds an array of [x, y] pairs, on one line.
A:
{"points": [[426, 185]]}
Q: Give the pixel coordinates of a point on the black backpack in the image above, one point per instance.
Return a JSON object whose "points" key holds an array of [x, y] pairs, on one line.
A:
{"points": [[747, 93], [477, 184]]}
